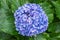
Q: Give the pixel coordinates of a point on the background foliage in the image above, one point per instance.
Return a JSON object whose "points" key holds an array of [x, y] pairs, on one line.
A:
{"points": [[7, 27]]}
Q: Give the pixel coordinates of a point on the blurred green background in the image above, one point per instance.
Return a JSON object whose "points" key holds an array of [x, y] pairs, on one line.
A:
{"points": [[7, 27]]}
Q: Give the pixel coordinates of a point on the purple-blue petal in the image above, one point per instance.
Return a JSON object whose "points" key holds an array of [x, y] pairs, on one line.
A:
{"points": [[30, 19]]}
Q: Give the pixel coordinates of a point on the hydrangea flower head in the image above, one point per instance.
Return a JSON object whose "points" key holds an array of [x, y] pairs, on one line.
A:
{"points": [[30, 19]]}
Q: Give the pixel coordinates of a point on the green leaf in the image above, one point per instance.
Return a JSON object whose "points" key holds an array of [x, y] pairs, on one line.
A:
{"points": [[53, 39], [6, 19], [4, 4], [40, 37], [47, 8], [43, 36], [54, 27], [54, 36], [36, 1], [31, 38], [46, 35], [57, 8], [14, 5], [17, 3], [7, 22], [4, 36], [50, 17]]}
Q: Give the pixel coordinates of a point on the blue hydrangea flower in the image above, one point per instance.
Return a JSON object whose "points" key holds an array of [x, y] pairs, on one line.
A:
{"points": [[30, 19]]}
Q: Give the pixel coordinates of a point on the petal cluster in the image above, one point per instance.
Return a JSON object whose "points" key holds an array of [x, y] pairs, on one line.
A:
{"points": [[30, 19]]}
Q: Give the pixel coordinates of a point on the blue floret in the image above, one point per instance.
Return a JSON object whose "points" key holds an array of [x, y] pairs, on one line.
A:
{"points": [[30, 19]]}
